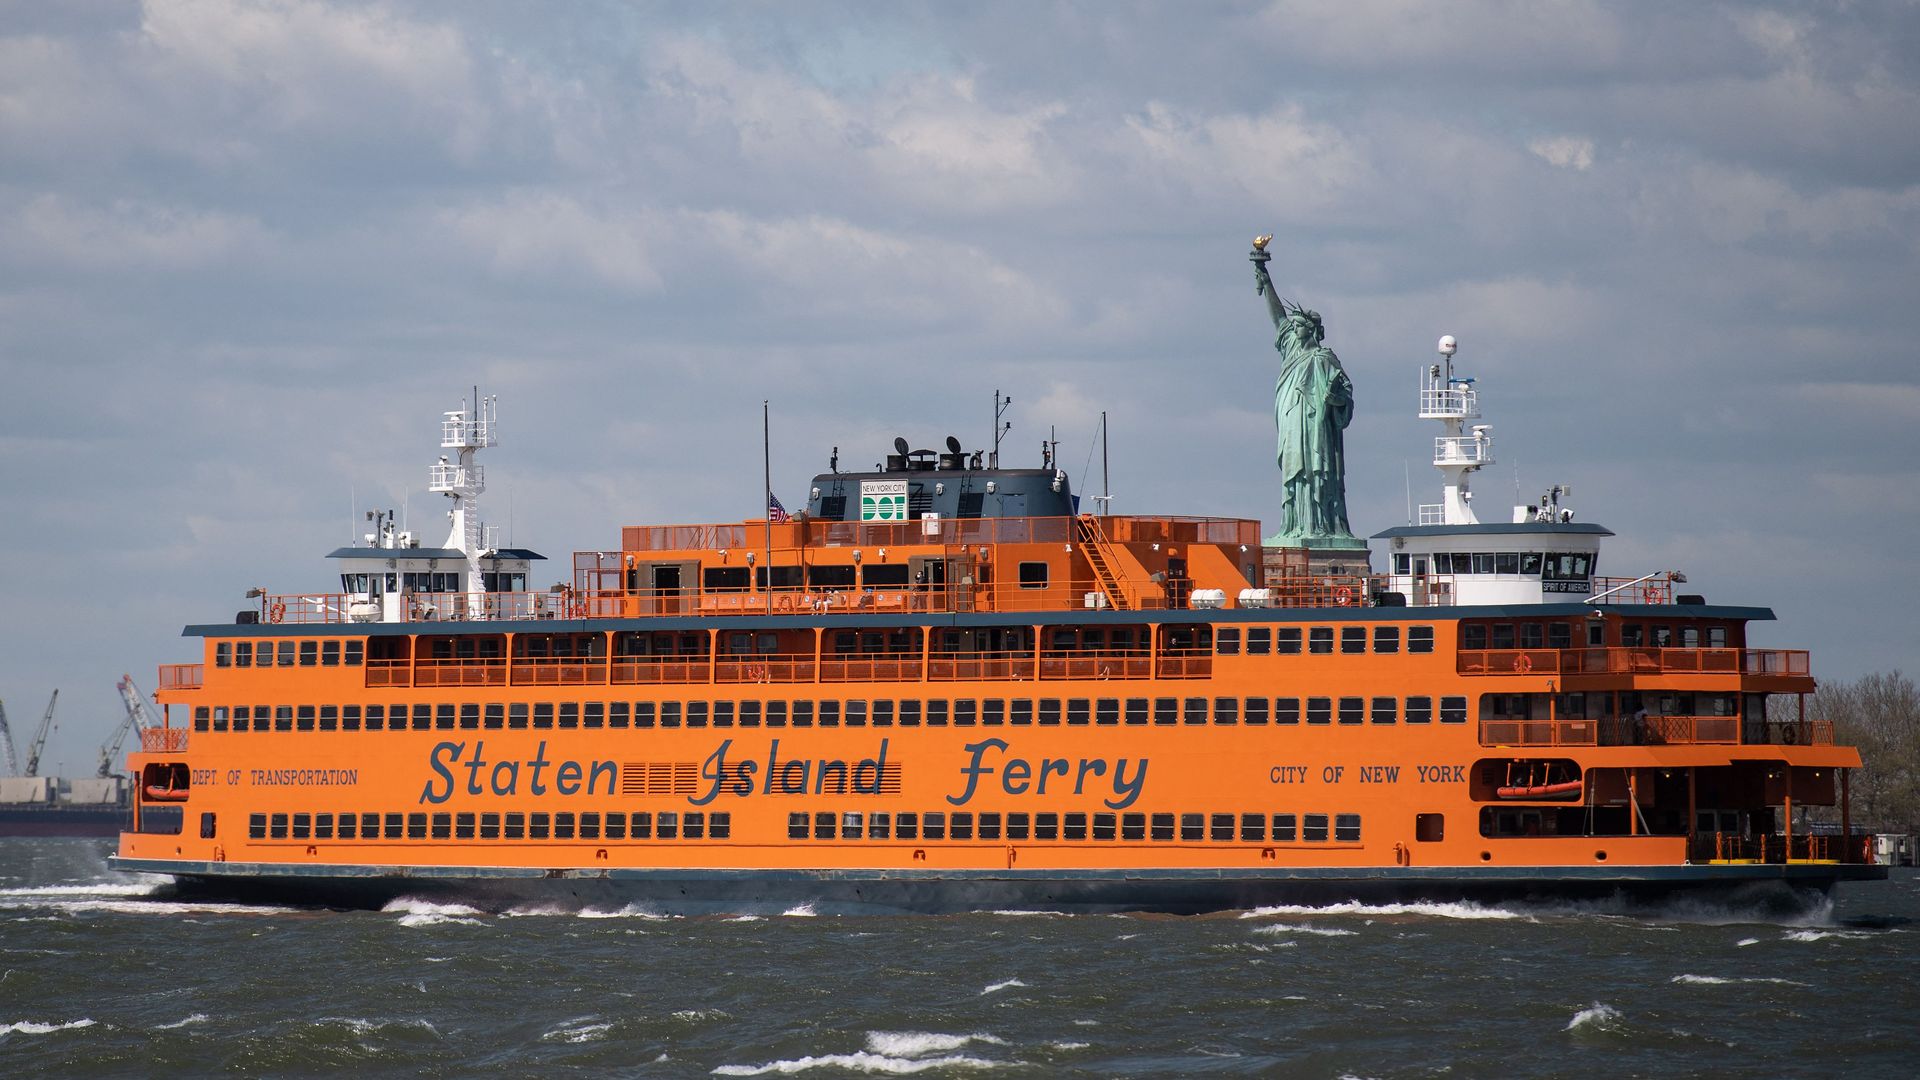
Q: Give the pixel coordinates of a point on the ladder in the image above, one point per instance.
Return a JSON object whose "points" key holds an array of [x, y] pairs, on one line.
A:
{"points": [[1093, 542]]}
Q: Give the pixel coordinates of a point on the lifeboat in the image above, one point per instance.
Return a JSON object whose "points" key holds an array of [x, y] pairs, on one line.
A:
{"points": [[156, 793], [1539, 791]]}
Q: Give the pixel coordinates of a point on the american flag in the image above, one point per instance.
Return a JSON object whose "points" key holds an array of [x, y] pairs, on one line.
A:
{"points": [[776, 512]]}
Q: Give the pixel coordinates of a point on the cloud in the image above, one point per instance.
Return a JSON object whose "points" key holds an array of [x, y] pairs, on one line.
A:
{"points": [[129, 234], [1564, 152]]}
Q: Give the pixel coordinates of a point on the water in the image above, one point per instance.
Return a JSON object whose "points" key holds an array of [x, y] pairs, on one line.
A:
{"points": [[100, 978]]}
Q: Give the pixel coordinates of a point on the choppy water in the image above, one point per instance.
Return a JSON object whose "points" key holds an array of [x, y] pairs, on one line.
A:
{"points": [[100, 977]]}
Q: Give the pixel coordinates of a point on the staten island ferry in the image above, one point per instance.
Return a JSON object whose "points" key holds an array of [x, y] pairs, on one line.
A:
{"points": [[941, 687]]}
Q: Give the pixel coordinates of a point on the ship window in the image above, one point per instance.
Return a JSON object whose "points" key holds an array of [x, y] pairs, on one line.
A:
{"points": [[1419, 639], [1353, 639], [880, 825], [1033, 575], [1259, 641], [993, 712], [1077, 710], [1133, 826], [1483, 562], [1196, 710], [1049, 711], [283, 718], [933, 825], [1346, 828], [693, 825], [350, 653], [906, 826], [670, 713], [285, 654], [369, 826], [594, 714], [495, 714], [569, 714], [463, 826], [1506, 562], [1226, 710], [1419, 710], [1319, 710], [615, 827], [516, 828], [490, 826], [303, 826], [376, 717], [697, 713], [720, 825], [1386, 639], [243, 654], [1074, 827], [1386, 710], [417, 826], [1046, 826], [725, 578], [201, 716], [442, 826], [1221, 827], [1166, 710], [776, 714], [1106, 710], [1021, 711], [1453, 710], [1320, 639], [223, 654], [563, 826], [1533, 635], [543, 714], [802, 714], [539, 825], [1227, 642], [1136, 710], [1472, 636], [749, 714], [422, 717], [256, 826], [1163, 826], [1253, 828], [220, 718], [1663, 637], [1017, 826], [1284, 828], [961, 826], [330, 654], [966, 711], [589, 826], [1314, 829], [309, 653], [1403, 563], [1193, 826], [347, 826], [824, 824], [1502, 636], [329, 717], [278, 830], [640, 826], [1257, 710], [1429, 828], [1286, 710], [1286, 640], [1352, 710], [443, 716]]}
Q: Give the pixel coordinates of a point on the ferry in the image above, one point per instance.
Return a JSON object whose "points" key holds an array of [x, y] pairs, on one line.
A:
{"points": [[942, 687]]}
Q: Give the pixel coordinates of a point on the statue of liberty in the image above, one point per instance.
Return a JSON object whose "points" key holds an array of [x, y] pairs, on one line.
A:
{"points": [[1312, 406]]}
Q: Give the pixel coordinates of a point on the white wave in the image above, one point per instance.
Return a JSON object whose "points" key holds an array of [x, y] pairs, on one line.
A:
{"points": [[747, 918], [1294, 928], [34, 1027], [800, 911], [196, 1018], [1017, 912], [363, 1027], [524, 911], [913, 1044], [1086, 1023], [117, 889], [1822, 935], [858, 1062], [999, 986], [1746, 941], [694, 1016], [132, 906], [1598, 1016], [1720, 980], [1068, 1045], [631, 911], [573, 1031], [414, 912], [1457, 910]]}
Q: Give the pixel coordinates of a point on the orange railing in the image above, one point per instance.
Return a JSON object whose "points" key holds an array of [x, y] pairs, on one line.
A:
{"points": [[1132, 664], [858, 668], [1539, 732], [949, 531], [389, 673], [764, 668], [559, 670], [468, 672], [1801, 733], [1718, 730], [163, 740], [626, 670], [1816, 847], [1637, 661], [1618, 731], [999, 666], [182, 676]]}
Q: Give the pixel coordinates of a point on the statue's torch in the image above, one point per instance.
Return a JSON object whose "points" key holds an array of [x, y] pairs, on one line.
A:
{"points": [[1260, 257]]}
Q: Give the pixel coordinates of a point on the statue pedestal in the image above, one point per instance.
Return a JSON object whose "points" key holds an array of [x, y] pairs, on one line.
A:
{"points": [[1321, 557]]}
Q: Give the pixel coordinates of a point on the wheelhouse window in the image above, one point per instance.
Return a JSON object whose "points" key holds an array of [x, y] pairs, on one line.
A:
{"points": [[1033, 575]]}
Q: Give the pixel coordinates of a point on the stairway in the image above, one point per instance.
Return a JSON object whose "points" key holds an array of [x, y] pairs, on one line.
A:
{"points": [[1093, 543]]}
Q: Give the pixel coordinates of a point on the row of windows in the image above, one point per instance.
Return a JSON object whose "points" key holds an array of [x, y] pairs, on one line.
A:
{"points": [[1285, 640], [963, 825], [288, 653], [1552, 566], [641, 825], [885, 712]]}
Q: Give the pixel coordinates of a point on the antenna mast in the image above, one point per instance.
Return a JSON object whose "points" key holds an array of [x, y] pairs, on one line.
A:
{"points": [[1000, 406]]}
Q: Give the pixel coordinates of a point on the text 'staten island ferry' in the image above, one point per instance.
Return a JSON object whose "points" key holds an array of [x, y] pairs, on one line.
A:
{"points": [[942, 688]]}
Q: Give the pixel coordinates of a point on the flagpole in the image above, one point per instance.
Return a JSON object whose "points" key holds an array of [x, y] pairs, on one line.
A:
{"points": [[766, 503]]}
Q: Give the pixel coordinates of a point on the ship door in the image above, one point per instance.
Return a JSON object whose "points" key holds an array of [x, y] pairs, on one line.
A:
{"points": [[666, 587]]}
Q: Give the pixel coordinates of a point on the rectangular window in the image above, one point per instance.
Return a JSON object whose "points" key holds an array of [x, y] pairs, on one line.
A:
{"points": [[1386, 639], [1136, 710], [517, 714], [1133, 826], [1018, 826], [993, 712], [1077, 710], [990, 826], [351, 651], [443, 715], [1257, 710], [797, 825], [470, 715], [201, 718], [284, 656], [960, 827], [516, 826], [496, 713], [256, 826], [223, 654], [1472, 636], [1319, 710], [1386, 710], [423, 717], [1453, 710], [243, 654], [1226, 710], [1346, 828], [416, 826], [776, 714], [543, 714], [1253, 828], [303, 826], [1196, 710], [1320, 639], [1559, 635], [1193, 827], [825, 825], [1163, 826], [309, 653], [1259, 641], [1046, 826], [589, 826], [1314, 829], [720, 825], [1353, 639], [569, 714], [443, 826], [693, 824], [640, 825], [1286, 710], [1352, 710], [1286, 641], [666, 825], [563, 826], [800, 712], [329, 717], [1074, 827], [279, 827], [348, 826], [1033, 575], [906, 826], [749, 714], [933, 826], [1220, 828], [1419, 710], [489, 826], [697, 713], [283, 718], [1419, 639], [1166, 710], [1104, 825], [1226, 641], [615, 827], [330, 654], [670, 714], [937, 712], [856, 714], [1106, 711]]}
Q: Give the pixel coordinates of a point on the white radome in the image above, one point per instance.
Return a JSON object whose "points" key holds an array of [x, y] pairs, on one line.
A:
{"points": [[1448, 345]]}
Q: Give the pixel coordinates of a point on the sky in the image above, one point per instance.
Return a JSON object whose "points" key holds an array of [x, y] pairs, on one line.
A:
{"points": [[249, 252]]}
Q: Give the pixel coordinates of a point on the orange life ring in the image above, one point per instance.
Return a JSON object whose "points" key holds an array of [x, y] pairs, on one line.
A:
{"points": [[1650, 594], [1523, 663], [1343, 595], [786, 602], [277, 612]]}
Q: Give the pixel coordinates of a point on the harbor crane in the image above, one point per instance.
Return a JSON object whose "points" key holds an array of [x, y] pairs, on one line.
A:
{"points": [[138, 719], [40, 738], [6, 743]]}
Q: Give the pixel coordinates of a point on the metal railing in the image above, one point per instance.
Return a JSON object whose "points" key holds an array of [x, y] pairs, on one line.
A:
{"points": [[1462, 450], [1613, 731], [1855, 848], [163, 740], [1461, 402], [182, 676], [1632, 661]]}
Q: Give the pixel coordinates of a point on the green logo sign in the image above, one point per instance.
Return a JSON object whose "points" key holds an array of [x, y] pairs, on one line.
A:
{"points": [[883, 500]]}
